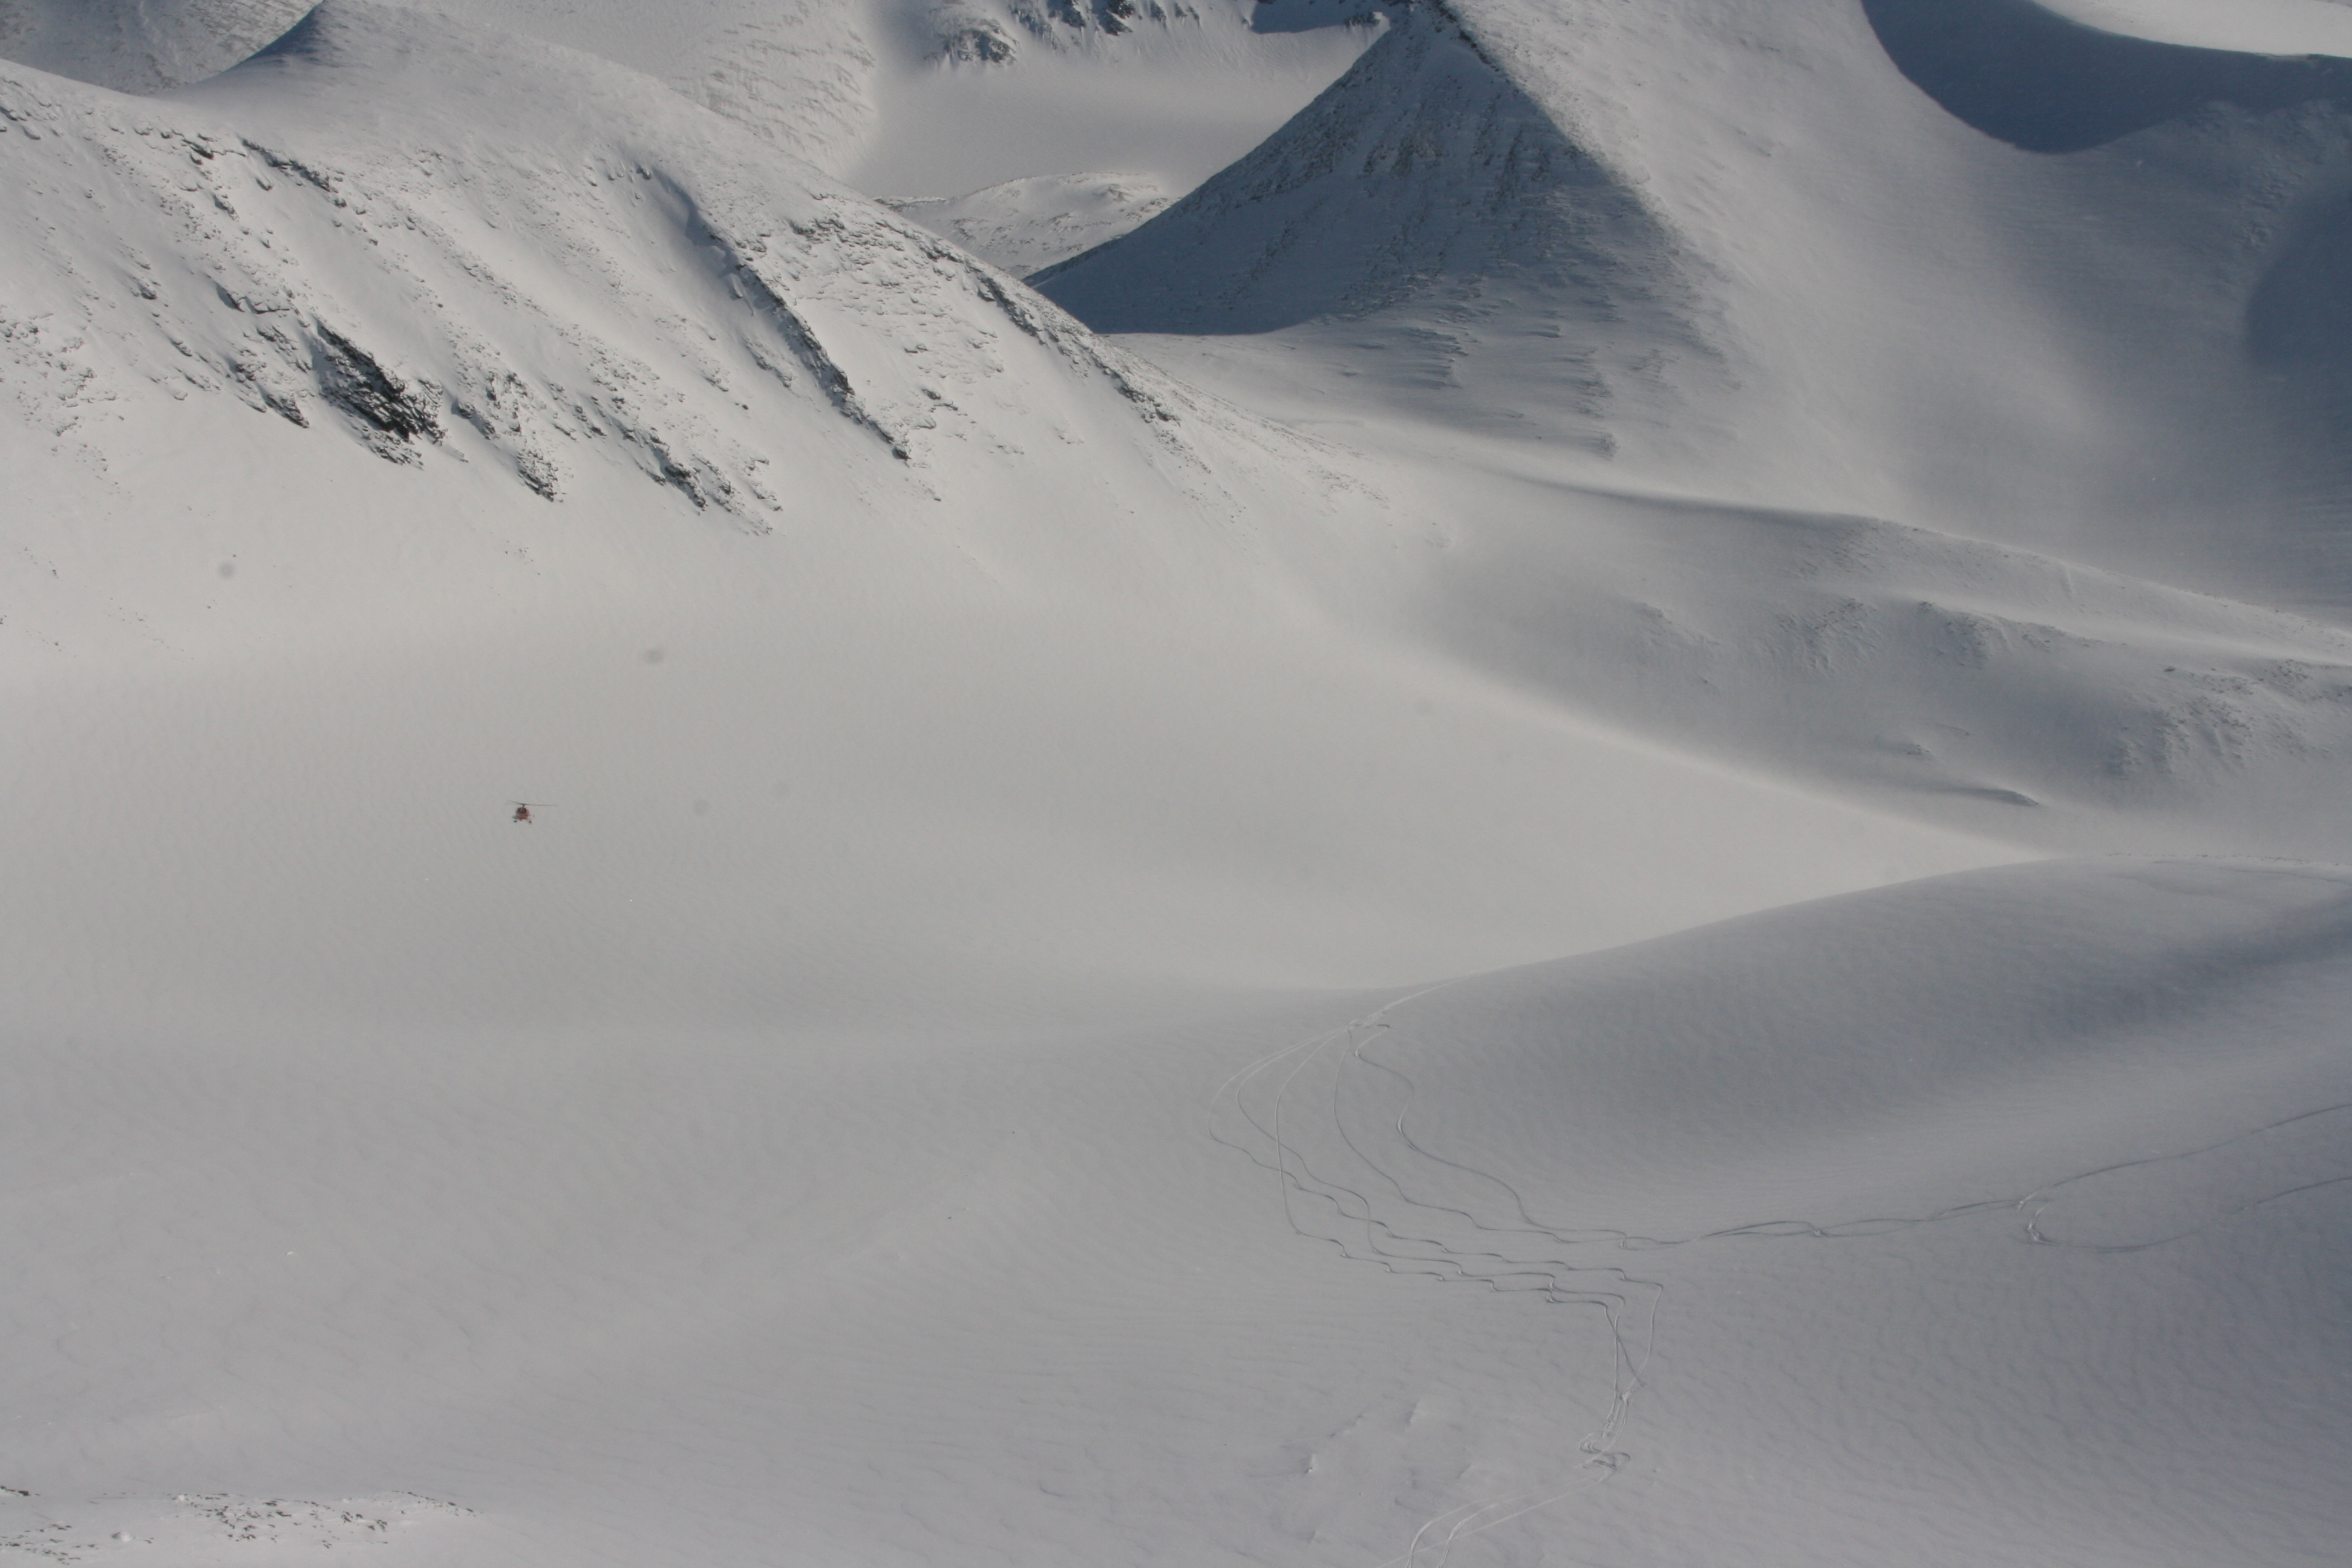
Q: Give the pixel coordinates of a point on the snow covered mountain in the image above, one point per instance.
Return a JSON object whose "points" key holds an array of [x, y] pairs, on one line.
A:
{"points": [[520, 285], [1622, 843], [1964, 264], [910, 99], [141, 46], [717, 326], [911, 94], [1023, 226], [589, 348]]}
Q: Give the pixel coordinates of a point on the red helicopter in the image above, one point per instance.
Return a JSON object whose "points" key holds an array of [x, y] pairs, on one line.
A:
{"points": [[522, 809]]}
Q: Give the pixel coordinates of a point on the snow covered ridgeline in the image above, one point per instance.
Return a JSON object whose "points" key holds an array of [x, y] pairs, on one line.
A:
{"points": [[796, 72], [522, 285], [978, 32], [196, 1528], [1425, 171], [1026, 225], [2026, 696], [2042, 82], [512, 323], [578, 260], [1810, 255], [141, 46]]}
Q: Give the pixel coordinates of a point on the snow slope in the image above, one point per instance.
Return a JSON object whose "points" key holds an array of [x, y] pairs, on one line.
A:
{"points": [[1169, 90], [286, 236], [141, 46], [710, 333], [795, 71], [960, 1066], [2259, 27], [1824, 254], [914, 97], [588, 379], [1992, 1219], [798, 73], [660, 1294], [909, 96], [1024, 225]]}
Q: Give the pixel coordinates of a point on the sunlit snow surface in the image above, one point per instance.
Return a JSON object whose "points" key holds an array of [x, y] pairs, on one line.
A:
{"points": [[2263, 26], [1661, 887], [1024, 225]]}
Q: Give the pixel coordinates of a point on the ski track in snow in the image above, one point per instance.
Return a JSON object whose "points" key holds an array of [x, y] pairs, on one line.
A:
{"points": [[1629, 1305], [1406, 1234]]}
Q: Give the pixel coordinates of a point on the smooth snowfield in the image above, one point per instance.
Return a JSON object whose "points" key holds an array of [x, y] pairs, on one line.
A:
{"points": [[1621, 844], [1817, 1245]]}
